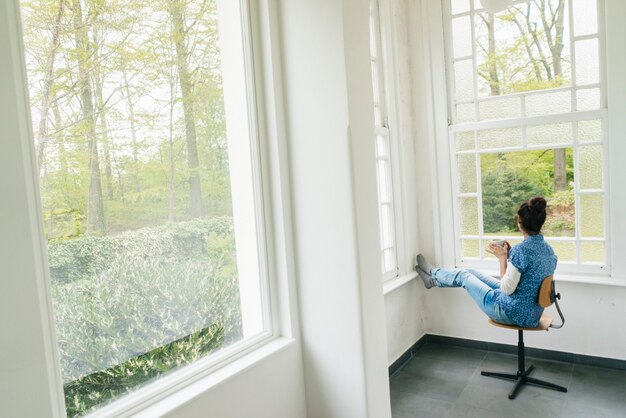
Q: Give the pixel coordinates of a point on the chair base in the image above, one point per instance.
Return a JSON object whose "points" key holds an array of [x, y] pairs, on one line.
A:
{"points": [[523, 378]]}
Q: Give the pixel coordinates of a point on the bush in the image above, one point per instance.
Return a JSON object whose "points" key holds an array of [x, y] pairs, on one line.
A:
{"points": [[503, 191], [87, 256], [134, 305]]}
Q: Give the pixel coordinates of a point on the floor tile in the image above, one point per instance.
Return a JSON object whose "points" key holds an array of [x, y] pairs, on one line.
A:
{"points": [[412, 405], [467, 356], [433, 379], [601, 387], [445, 381]]}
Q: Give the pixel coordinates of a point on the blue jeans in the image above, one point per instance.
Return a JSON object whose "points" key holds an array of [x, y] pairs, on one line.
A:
{"points": [[480, 287]]}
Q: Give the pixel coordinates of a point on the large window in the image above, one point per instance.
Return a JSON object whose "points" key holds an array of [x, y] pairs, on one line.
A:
{"points": [[384, 150], [529, 117], [147, 153]]}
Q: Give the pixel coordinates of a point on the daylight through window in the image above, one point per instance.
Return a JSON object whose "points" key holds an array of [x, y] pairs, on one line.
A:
{"points": [[148, 165], [529, 118]]}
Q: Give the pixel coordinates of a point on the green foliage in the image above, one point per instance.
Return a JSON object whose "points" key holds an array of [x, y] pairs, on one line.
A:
{"points": [[118, 299], [88, 256], [504, 189], [87, 392], [561, 220]]}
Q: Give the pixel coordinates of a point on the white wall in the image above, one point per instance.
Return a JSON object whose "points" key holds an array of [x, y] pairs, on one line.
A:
{"points": [[594, 320]]}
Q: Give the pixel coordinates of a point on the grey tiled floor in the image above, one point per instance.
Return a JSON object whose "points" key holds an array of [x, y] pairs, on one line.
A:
{"points": [[445, 381]]}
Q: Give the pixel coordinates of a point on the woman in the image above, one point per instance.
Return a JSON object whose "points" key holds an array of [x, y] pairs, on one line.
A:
{"points": [[513, 298]]}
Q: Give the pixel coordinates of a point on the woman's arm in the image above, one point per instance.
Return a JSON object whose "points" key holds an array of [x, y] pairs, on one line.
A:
{"points": [[509, 274], [502, 253]]}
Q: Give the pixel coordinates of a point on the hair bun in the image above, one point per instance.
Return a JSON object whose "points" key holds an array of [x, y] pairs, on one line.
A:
{"points": [[537, 204]]}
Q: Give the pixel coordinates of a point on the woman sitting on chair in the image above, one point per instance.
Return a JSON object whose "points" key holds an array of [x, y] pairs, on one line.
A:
{"points": [[513, 298]]}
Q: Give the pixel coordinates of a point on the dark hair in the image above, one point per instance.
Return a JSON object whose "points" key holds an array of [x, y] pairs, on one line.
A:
{"points": [[532, 214]]}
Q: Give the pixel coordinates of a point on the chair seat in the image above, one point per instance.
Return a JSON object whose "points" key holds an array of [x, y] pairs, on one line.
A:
{"points": [[544, 324]]}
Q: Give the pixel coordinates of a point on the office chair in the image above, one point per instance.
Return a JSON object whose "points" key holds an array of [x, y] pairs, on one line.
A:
{"points": [[547, 297]]}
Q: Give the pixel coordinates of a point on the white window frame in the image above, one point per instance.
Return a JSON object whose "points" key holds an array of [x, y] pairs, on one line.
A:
{"points": [[564, 267], [383, 42], [272, 196], [436, 118]]}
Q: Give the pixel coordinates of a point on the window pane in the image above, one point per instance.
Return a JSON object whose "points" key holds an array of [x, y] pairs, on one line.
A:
{"points": [[565, 251], [462, 33], [585, 17], [465, 112], [511, 48], [500, 138], [558, 133], [509, 179], [459, 6], [548, 103], [382, 146], [592, 215], [464, 80], [588, 99], [383, 181], [592, 252], [147, 187], [590, 167], [387, 226], [470, 248], [389, 260], [469, 216], [467, 173], [587, 62], [500, 108], [465, 141], [589, 131]]}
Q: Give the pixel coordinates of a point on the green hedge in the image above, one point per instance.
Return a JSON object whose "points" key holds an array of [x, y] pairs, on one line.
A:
{"points": [[88, 256], [121, 301]]}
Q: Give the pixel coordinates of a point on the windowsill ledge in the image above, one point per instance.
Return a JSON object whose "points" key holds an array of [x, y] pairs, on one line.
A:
{"points": [[604, 280], [397, 282], [168, 399]]}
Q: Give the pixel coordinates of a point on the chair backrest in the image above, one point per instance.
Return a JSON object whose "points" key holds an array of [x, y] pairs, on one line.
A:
{"points": [[546, 291]]}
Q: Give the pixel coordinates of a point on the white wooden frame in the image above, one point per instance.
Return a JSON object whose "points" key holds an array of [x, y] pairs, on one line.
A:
{"points": [[523, 122], [384, 59]]}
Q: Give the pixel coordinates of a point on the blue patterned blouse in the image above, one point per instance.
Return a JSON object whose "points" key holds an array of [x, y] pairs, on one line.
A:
{"points": [[535, 260]]}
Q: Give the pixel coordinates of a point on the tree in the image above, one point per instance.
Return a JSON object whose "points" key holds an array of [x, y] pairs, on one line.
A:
{"points": [[47, 85], [179, 37], [540, 24], [95, 207]]}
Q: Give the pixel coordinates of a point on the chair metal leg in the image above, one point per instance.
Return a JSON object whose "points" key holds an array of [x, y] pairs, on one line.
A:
{"points": [[545, 384], [522, 376], [507, 376]]}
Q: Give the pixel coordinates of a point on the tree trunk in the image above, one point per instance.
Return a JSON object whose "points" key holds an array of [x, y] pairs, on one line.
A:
{"points": [[133, 130], [560, 172], [95, 207], [184, 77], [170, 196], [47, 86], [494, 82], [59, 139], [98, 81], [555, 43]]}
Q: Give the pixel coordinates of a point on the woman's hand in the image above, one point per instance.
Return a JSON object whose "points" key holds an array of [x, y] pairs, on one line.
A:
{"points": [[501, 252]]}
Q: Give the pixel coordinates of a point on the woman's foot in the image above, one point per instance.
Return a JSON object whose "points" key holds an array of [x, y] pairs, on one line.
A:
{"points": [[426, 278], [423, 264], [424, 269]]}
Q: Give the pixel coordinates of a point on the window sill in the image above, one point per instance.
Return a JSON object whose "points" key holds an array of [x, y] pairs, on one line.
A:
{"points": [[572, 278], [397, 282], [166, 397]]}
